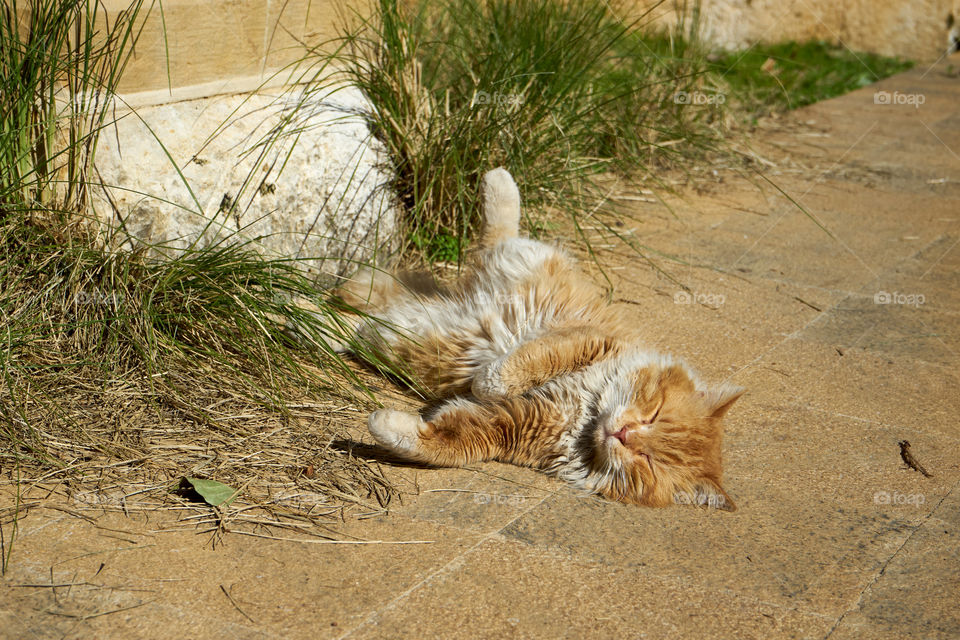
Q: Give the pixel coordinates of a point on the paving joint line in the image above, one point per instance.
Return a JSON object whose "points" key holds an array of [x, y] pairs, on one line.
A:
{"points": [[883, 569], [442, 570]]}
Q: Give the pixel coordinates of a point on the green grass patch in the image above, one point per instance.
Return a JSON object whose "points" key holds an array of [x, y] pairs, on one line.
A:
{"points": [[60, 63], [769, 77], [558, 93]]}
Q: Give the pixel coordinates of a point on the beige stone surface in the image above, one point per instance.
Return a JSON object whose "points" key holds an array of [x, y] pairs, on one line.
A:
{"points": [[834, 536], [195, 42], [219, 44]]}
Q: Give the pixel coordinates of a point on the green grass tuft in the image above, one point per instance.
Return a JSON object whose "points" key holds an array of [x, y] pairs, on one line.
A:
{"points": [[125, 363], [60, 64], [558, 93], [770, 77]]}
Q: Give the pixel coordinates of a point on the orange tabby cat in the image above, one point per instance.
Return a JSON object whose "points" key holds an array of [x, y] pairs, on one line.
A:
{"points": [[534, 368]]}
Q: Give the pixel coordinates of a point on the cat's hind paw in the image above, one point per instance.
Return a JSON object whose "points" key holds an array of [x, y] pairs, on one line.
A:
{"points": [[501, 207], [397, 431]]}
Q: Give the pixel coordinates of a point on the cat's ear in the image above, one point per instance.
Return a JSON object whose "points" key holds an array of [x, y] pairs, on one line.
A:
{"points": [[706, 493], [720, 399]]}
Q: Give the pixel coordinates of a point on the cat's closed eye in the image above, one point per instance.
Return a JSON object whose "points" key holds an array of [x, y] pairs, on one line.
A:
{"points": [[653, 417]]}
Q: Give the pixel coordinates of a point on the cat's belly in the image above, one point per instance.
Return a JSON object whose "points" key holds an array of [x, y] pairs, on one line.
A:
{"points": [[515, 261], [481, 327], [499, 310], [519, 293]]}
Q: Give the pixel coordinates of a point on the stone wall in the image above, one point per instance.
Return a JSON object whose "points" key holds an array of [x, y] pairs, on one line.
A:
{"points": [[216, 41], [199, 172], [330, 200], [185, 164], [914, 29]]}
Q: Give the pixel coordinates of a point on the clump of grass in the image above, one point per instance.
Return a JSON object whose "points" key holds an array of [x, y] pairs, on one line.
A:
{"points": [[789, 75], [561, 93], [121, 368], [60, 63], [145, 366]]}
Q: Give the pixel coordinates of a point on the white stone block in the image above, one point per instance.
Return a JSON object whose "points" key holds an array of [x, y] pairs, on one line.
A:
{"points": [[319, 192]]}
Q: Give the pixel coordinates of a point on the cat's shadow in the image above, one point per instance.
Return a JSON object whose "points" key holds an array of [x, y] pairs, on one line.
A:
{"points": [[374, 453]]}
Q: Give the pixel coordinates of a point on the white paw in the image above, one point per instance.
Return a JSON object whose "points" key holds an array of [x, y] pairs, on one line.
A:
{"points": [[501, 199], [488, 383], [397, 431]]}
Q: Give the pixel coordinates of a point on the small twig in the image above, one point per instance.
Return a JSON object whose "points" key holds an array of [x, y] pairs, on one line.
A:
{"points": [[6, 548], [634, 198], [40, 585], [53, 585], [102, 613], [811, 305], [235, 605], [910, 460], [451, 491], [89, 519]]}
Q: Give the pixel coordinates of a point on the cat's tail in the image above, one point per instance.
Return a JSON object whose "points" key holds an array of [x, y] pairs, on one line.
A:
{"points": [[501, 207]]}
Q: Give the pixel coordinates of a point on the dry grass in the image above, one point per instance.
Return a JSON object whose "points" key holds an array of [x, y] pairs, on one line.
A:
{"points": [[120, 375], [113, 445], [120, 442]]}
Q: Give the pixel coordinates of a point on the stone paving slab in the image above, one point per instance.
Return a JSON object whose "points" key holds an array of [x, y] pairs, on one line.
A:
{"points": [[834, 538]]}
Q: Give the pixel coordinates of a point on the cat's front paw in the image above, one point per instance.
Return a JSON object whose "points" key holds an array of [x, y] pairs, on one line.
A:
{"points": [[397, 431], [488, 384]]}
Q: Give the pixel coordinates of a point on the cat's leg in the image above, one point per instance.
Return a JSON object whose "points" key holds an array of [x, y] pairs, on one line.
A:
{"points": [[535, 362], [461, 431], [501, 208], [373, 290], [371, 296], [456, 433]]}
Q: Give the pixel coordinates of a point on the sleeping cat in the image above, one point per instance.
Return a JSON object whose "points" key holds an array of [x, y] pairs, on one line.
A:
{"points": [[533, 367]]}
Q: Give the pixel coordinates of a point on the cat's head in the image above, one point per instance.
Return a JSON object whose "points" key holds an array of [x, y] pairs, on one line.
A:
{"points": [[656, 438]]}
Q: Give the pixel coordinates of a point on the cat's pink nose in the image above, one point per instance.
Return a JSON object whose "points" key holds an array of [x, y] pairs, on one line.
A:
{"points": [[621, 435]]}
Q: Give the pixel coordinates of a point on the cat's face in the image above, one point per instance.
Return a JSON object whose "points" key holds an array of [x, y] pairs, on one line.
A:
{"points": [[658, 441]]}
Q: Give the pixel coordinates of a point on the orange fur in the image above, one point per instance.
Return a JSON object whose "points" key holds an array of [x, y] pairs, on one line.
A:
{"points": [[533, 367]]}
